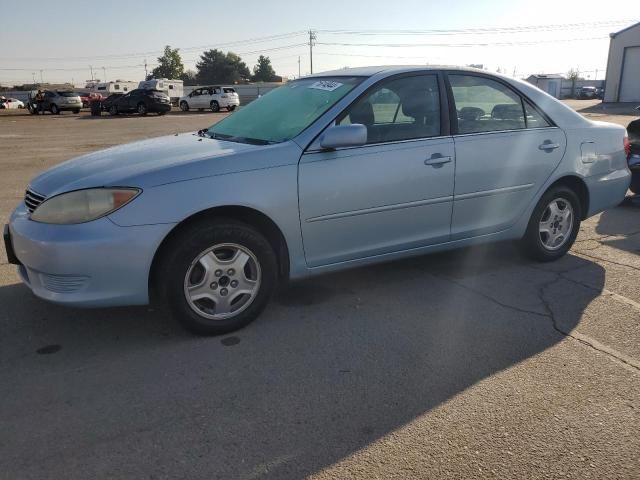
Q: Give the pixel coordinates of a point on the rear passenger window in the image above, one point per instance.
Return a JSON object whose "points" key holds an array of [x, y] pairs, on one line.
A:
{"points": [[484, 105], [534, 119], [401, 109]]}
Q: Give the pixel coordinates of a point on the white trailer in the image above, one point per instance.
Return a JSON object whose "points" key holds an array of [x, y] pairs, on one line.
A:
{"points": [[173, 88], [104, 89]]}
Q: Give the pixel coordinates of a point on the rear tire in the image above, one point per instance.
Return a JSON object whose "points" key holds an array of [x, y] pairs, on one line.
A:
{"points": [[553, 226], [215, 106], [54, 109], [76, 111], [142, 109], [231, 108], [255, 271], [635, 183], [184, 106], [113, 110]]}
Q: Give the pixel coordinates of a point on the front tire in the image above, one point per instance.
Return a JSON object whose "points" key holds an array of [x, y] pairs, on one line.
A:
{"points": [[142, 109], [54, 109], [553, 226], [218, 276], [184, 106], [215, 106], [231, 108], [113, 110]]}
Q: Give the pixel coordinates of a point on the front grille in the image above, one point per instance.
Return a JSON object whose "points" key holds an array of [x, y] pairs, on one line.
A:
{"points": [[32, 200]]}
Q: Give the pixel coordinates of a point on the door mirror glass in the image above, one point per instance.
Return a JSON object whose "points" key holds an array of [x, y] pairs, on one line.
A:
{"points": [[353, 135]]}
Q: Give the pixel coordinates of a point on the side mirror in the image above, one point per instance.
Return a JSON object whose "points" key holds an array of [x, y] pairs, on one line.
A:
{"points": [[353, 135]]}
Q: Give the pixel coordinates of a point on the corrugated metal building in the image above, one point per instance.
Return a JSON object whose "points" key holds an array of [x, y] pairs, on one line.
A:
{"points": [[623, 66]]}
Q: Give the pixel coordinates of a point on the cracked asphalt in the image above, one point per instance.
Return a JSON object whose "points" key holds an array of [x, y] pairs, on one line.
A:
{"points": [[476, 363]]}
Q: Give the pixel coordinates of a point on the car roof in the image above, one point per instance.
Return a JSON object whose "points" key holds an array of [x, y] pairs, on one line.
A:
{"points": [[390, 70]]}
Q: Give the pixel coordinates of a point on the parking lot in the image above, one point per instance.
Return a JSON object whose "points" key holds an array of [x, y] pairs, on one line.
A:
{"points": [[476, 363]]}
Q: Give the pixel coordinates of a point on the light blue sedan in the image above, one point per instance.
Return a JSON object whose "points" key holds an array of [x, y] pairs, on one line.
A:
{"points": [[331, 171]]}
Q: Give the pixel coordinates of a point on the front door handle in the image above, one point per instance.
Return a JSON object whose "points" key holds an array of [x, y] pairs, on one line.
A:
{"points": [[547, 145], [437, 160]]}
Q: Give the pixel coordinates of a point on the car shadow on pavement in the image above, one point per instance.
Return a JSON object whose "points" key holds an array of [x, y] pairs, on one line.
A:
{"points": [[615, 223], [334, 364]]}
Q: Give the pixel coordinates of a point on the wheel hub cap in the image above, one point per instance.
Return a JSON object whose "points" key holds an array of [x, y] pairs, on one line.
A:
{"points": [[556, 224], [222, 281]]}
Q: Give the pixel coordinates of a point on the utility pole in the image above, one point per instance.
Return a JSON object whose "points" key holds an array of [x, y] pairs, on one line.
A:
{"points": [[145, 69], [312, 37], [299, 66], [104, 72], [41, 81], [91, 69], [33, 75], [596, 75]]}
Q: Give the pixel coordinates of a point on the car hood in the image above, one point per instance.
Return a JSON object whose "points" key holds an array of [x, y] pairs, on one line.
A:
{"points": [[153, 162]]}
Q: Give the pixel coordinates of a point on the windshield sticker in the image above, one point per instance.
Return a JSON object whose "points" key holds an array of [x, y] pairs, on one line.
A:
{"points": [[326, 85]]}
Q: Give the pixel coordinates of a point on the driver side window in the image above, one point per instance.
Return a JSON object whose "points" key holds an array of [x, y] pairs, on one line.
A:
{"points": [[399, 109]]}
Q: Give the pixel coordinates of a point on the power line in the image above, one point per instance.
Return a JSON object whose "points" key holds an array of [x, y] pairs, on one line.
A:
{"points": [[141, 54], [467, 45], [481, 31]]}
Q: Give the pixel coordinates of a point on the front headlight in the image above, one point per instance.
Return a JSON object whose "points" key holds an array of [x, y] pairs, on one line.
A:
{"points": [[83, 205]]}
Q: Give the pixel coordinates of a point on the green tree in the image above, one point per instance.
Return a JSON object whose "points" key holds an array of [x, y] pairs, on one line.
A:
{"points": [[169, 65], [263, 71], [217, 67], [189, 77]]}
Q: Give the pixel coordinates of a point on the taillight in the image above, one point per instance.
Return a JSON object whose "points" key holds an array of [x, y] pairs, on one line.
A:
{"points": [[627, 145]]}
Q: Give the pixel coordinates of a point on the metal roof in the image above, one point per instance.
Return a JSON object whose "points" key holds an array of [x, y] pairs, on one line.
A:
{"points": [[612, 35]]}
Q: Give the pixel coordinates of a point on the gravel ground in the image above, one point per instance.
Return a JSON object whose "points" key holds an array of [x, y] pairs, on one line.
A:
{"points": [[472, 364]]}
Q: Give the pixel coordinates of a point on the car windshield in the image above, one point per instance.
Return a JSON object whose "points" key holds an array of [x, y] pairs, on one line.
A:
{"points": [[68, 94], [284, 112]]}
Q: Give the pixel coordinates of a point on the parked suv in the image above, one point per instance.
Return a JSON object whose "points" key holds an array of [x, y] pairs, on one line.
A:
{"points": [[56, 102], [215, 98], [141, 101]]}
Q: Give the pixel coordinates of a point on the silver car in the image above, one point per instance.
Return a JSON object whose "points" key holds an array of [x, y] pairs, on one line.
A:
{"points": [[331, 171], [56, 102]]}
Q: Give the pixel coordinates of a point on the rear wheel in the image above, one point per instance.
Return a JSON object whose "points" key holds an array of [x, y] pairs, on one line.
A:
{"points": [[54, 109], [215, 106], [76, 111], [113, 110], [142, 109], [635, 182], [231, 108], [554, 225], [218, 276], [184, 106]]}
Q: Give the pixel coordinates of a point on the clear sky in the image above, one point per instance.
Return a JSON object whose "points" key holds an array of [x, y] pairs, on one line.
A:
{"points": [[63, 38]]}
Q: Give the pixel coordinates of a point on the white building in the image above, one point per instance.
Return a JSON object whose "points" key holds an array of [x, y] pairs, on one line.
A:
{"points": [[552, 84], [623, 66]]}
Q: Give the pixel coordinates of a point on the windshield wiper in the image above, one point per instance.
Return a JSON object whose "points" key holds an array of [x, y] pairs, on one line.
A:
{"points": [[251, 141]]}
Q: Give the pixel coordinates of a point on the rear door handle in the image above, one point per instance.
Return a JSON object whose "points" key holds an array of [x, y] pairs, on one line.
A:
{"points": [[437, 160], [547, 145]]}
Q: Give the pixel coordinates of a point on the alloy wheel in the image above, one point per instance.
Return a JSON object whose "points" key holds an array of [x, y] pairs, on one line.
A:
{"points": [[222, 281], [556, 224]]}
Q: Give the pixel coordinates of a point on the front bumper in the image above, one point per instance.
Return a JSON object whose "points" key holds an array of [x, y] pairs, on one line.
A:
{"points": [[94, 264], [159, 107]]}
